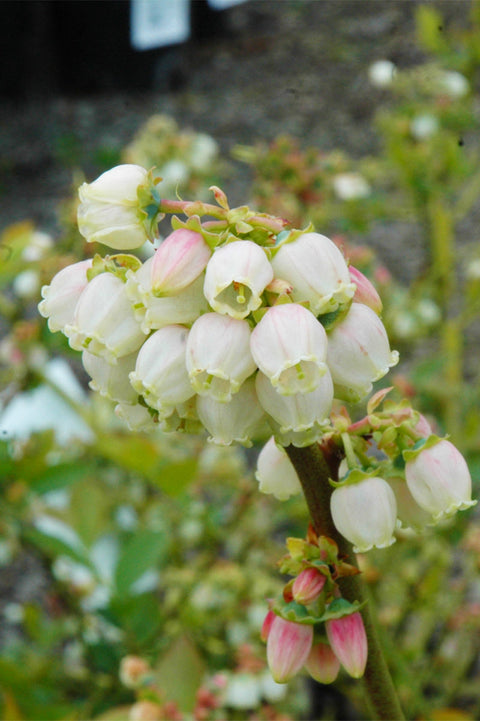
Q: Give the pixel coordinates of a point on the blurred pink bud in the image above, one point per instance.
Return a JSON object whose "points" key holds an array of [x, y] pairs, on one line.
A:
{"points": [[322, 664], [308, 585], [288, 646], [365, 292], [267, 625], [179, 260], [423, 427], [289, 345], [348, 640]]}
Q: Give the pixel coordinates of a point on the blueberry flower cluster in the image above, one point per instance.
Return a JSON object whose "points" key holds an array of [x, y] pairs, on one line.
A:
{"points": [[235, 324]]}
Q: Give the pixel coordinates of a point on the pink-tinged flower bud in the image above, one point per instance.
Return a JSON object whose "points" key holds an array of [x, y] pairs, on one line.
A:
{"points": [[160, 374], [179, 260], [423, 427], [132, 670], [275, 473], [358, 353], [61, 296], [104, 321], [289, 346], [218, 355], [267, 625], [111, 381], [322, 664], [439, 480], [365, 513], [316, 268], [240, 420], [288, 646], [154, 313], [365, 292], [348, 640], [109, 209], [308, 585], [236, 276], [299, 419]]}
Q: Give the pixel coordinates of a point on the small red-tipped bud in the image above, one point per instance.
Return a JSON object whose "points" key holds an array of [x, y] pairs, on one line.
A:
{"points": [[322, 664], [267, 624], [288, 646], [365, 292], [308, 585], [348, 640]]}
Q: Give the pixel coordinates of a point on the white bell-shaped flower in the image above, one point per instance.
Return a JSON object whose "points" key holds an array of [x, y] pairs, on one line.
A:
{"points": [[136, 416], [160, 374], [241, 420], [235, 278], [289, 346], [275, 472], [104, 321], [153, 313], [218, 355], [409, 512], [358, 353], [111, 381], [317, 270], [61, 296], [438, 478], [365, 513], [179, 260], [109, 209], [299, 419]]}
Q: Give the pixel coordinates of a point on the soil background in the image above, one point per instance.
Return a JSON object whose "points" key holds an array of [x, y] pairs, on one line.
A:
{"points": [[248, 73]]}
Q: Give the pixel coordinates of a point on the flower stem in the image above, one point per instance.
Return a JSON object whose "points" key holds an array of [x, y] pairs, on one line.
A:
{"points": [[315, 465]]}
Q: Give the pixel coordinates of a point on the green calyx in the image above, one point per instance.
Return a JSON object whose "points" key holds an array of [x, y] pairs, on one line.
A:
{"points": [[118, 264], [149, 205], [355, 475], [295, 612], [411, 453]]}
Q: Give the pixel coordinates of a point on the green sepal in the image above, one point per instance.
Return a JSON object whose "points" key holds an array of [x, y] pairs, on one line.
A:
{"points": [[355, 475], [295, 612], [340, 607], [213, 240], [420, 445], [118, 264], [291, 236], [332, 319], [149, 205]]}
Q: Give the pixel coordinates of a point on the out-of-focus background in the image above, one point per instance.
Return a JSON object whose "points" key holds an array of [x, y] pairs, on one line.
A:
{"points": [[362, 117]]}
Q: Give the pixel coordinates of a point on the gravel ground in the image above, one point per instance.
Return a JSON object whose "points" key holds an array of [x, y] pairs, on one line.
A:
{"points": [[275, 66]]}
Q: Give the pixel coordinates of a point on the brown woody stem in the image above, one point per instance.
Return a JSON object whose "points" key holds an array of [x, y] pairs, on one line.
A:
{"points": [[315, 465]]}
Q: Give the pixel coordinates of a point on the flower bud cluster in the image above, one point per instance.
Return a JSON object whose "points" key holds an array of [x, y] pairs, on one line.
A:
{"points": [[414, 479], [312, 627], [234, 324]]}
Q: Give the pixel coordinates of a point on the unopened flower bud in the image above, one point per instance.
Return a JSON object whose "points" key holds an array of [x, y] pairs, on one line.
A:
{"points": [[111, 381], [267, 624], [348, 640], [365, 513], [109, 209], [288, 646], [409, 513], [236, 276], [275, 472], [322, 664], [132, 670], [289, 346], [317, 270], [61, 296], [365, 292], [439, 480], [218, 355], [308, 585], [135, 416], [178, 261], [358, 353], [104, 321]]}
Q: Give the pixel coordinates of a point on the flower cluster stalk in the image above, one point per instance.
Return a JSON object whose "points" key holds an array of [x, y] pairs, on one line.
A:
{"points": [[314, 465]]}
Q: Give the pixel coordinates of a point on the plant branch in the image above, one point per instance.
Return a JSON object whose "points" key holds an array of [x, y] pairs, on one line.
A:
{"points": [[315, 465]]}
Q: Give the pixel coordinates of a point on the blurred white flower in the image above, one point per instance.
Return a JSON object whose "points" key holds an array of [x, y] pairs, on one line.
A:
{"points": [[455, 84], [26, 284], [381, 73], [424, 126], [39, 244], [350, 186]]}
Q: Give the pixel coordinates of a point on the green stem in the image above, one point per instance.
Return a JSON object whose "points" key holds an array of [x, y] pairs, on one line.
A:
{"points": [[315, 465]]}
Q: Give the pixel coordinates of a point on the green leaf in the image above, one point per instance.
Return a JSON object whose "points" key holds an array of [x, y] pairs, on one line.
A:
{"points": [[141, 553], [60, 476], [87, 511], [180, 673], [53, 547]]}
